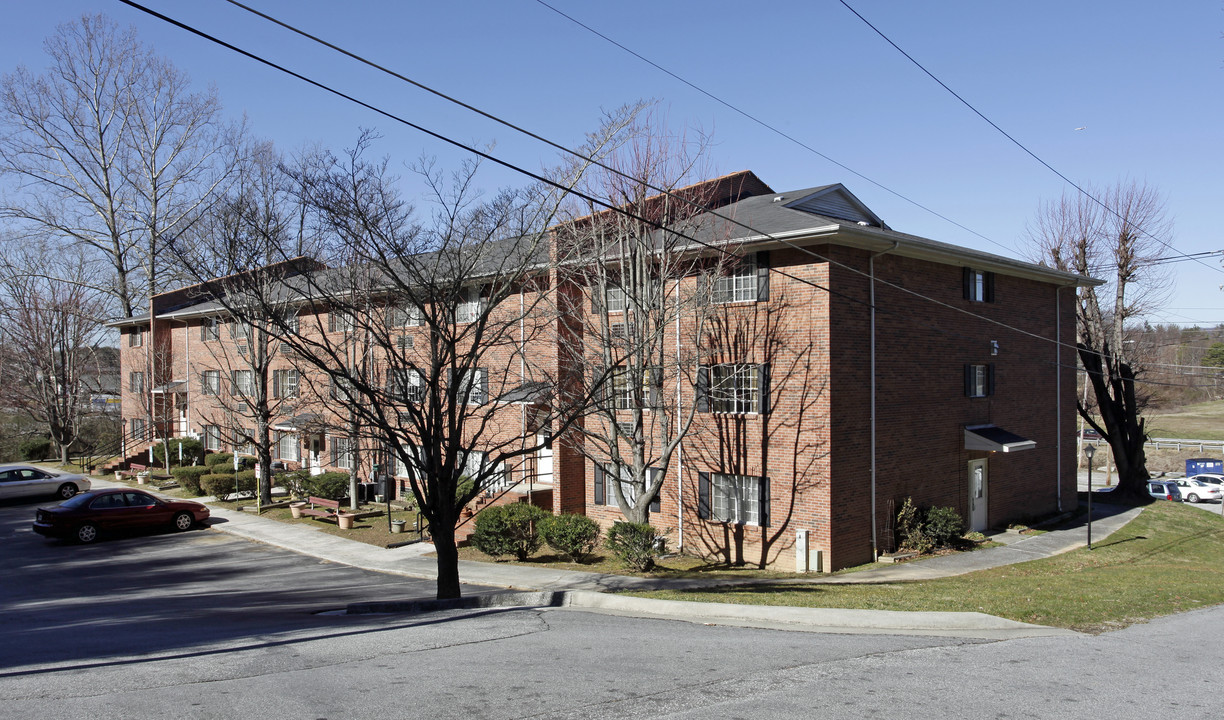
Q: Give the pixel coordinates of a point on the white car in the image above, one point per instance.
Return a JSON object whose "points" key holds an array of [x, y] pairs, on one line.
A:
{"points": [[1193, 490], [1210, 479], [19, 481]]}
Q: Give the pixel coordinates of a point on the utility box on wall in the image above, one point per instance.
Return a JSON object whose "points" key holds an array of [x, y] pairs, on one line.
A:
{"points": [[807, 558]]}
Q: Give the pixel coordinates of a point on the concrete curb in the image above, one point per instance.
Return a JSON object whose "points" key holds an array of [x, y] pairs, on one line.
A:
{"points": [[942, 624]]}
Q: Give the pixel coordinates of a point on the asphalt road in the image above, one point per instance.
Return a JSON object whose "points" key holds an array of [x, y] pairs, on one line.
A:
{"points": [[199, 625]]}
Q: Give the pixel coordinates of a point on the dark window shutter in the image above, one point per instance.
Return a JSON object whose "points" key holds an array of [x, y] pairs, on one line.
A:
{"points": [[764, 502], [990, 379], [762, 263], [656, 386], [599, 485], [204, 330], [484, 386], [968, 381], [703, 389], [967, 282], [763, 386], [703, 285], [703, 495], [596, 305], [655, 505], [989, 282], [276, 385]]}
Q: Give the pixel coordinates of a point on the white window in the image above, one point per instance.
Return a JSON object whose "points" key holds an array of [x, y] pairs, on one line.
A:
{"points": [[290, 317], [979, 380], [605, 493], [243, 384], [210, 382], [624, 385], [615, 300], [478, 462], [401, 468], [136, 337], [284, 383], [138, 429], [469, 307], [738, 284], [405, 385], [341, 389], [244, 442], [405, 315], [239, 330], [210, 329], [736, 498], [339, 321], [735, 388], [471, 387], [978, 285], [136, 382], [342, 452], [288, 447], [212, 437]]}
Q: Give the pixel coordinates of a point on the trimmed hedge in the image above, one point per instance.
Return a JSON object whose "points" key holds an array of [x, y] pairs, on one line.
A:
{"points": [[215, 459], [508, 530], [634, 544], [574, 536], [188, 477], [329, 485], [193, 450], [220, 485]]}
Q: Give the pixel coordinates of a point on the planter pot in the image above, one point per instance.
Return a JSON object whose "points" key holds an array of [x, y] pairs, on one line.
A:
{"points": [[345, 521], [295, 509], [397, 526], [142, 478]]}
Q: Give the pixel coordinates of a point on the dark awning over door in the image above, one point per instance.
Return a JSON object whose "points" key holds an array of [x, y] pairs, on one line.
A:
{"points": [[995, 439]]}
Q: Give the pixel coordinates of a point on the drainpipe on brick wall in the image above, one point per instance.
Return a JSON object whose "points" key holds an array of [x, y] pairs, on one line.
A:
{"points": [[875, 544], [680, 446]]}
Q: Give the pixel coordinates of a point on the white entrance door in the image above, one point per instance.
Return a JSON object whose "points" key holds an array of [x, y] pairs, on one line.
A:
{"points": [[543, 462], [977, 495], [316, 462], [182, 421]]}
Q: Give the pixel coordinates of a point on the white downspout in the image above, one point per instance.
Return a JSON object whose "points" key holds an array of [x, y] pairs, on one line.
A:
{"points": [[875, 545], [680, 446]]}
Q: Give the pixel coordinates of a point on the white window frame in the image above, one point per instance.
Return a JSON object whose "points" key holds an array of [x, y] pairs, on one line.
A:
{"points": [[735, 498], [468, 310], [340, 320], [210, 329], [407, 315], [737, 285], [210, 383], [342, 451], [136, 337], [614, 299], [242, 383], [136, 381], [735, 388], [477, 380], [980, 383], [212, 438], [288, 446], [406, 385], [286, 383]]}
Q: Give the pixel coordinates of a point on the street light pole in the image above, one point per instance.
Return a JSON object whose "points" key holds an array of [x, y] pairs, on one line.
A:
{"points": [[1089, 451]]}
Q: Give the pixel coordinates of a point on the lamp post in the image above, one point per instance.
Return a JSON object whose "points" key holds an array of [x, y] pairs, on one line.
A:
{"points": [[1089, 451]]}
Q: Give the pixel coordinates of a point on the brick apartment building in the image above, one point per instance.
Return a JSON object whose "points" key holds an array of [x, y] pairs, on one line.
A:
{"points": [[856, 366]]}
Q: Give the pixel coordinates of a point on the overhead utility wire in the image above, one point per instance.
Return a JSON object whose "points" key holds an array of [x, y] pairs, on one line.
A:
{"points": [[1017, 143], [596, 162], [467, 148], [594, 200], [772, 128]]}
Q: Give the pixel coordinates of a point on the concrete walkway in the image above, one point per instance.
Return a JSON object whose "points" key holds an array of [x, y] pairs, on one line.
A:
{"points": [[587, 590]]}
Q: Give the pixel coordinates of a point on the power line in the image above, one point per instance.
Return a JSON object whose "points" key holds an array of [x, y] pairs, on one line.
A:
{"points": [[596, 201], [467, 148], [1016, 142], [772, 128]]}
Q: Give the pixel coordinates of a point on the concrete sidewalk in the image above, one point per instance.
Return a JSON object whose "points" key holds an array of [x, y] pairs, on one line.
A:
{"points": [[586, 589]]}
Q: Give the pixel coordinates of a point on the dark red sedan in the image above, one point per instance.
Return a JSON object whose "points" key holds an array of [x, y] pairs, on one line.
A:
{"points": [[85, 516]]}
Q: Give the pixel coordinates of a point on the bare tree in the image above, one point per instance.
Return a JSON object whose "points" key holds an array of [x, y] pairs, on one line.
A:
{"points": [[638, 264], [1119, 243], [53, 324], [110, 149], [433, 337]]}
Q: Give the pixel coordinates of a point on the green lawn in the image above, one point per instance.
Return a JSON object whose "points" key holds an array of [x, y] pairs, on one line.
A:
{"points": [[1169, 559], [1202, 421]]}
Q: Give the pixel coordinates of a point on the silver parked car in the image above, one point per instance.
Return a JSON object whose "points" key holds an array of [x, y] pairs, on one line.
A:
{"points": [[20, 481]]}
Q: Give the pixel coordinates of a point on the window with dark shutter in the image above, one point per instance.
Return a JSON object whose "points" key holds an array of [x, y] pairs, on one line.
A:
{"points": [[599, 486], [703, 495], [762, 270]]}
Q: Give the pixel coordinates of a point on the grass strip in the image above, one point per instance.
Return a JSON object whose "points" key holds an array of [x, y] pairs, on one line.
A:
{"points": [[1169, 559]]}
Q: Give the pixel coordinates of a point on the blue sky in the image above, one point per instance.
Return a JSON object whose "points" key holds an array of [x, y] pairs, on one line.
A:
{"points": [[1142, 78]]}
